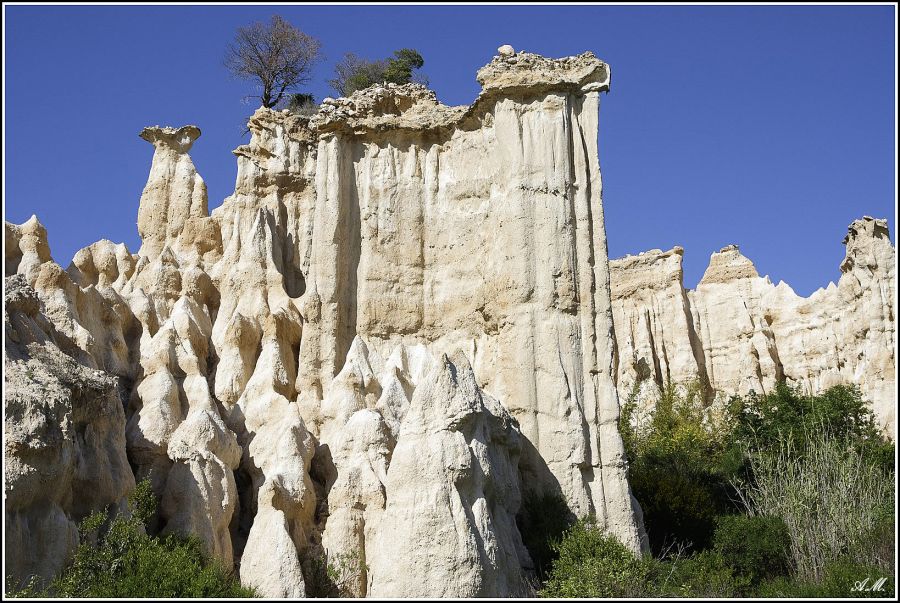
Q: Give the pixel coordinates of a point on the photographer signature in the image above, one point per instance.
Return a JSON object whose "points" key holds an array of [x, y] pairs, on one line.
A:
{"points": [[862, 585]]}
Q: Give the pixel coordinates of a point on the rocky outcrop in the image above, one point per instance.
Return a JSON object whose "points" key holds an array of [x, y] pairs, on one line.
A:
{"points": [[737, 332], [63, 439], [397, 323]]}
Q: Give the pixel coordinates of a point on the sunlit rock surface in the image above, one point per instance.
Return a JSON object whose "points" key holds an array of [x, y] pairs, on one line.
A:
{"points": [[396, 325]]}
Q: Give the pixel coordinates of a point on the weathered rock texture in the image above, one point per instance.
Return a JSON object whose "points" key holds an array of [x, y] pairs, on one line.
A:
{"points": [[63, 438], [398, 323], [738, 332]]}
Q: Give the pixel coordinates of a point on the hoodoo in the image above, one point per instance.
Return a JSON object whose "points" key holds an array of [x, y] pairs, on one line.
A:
{"points": [[397, 325]]}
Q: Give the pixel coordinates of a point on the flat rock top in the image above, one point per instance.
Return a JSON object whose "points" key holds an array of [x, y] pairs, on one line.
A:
{"points": [[181, 139], [649, 270], [528, 70], [414, 107]]}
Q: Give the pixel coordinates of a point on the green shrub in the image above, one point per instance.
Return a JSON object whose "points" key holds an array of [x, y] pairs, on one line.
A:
{"points": [[680, 468], [704, 574], [592, 564], [841, 579], [354, 73], [784, 587], [300, 104], [847, 578], [840, 412], [756, 548], [338, 576]]}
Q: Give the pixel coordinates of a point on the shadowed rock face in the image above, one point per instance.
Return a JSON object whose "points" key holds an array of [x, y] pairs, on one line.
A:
{"points": [[738, 332], [398, 322]]}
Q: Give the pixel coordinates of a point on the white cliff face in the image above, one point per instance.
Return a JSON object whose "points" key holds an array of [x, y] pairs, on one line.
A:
{"points": [[744, 333], [398, 323], [655, 339]]}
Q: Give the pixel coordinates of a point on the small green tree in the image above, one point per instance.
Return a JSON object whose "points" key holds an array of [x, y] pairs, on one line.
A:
{"points": [[841, 411], [400, 68], [680, 467], [355, 73]]}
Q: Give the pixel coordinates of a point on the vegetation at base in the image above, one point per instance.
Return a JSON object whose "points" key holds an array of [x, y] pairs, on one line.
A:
{"points": [[336, 577], [778, 495], [592, 564], [543, 520], [117, 558], [681, 461]]}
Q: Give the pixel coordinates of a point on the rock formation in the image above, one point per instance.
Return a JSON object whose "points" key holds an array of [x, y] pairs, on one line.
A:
{"points": [[738, 332], [63, 438], [398, 323]]}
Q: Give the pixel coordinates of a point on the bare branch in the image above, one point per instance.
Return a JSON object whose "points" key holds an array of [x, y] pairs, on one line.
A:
{"points": [[278, 55]]}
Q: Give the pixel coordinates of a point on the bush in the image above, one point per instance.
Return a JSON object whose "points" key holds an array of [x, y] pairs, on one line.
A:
{"points": [[842, 578], [680, 468], [840, 412], [756, 548], [592, 563], [301, 104], [704, 574], [116, 558], [831, 498], [338, 576]]}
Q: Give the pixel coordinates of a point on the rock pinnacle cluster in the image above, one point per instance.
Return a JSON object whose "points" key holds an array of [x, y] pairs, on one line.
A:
{"points": [[396, 327]]}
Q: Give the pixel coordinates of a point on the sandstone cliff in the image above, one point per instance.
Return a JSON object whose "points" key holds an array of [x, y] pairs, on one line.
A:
{"points": [[738, 332], [398, 323]]}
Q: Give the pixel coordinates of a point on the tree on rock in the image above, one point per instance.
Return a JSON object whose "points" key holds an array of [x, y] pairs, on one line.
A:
{"points": [[354, 73], [277, 55]]}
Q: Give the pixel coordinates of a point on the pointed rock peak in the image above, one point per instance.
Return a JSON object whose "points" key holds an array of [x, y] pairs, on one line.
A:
{"points": [[448, 394], [34, 226], [867, 227], [358, 352], [25, 247], [728, 264], [868, 244], [180, 139]]}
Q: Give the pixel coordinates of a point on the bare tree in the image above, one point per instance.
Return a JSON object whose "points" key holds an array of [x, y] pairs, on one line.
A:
{"points": [[277, 55]]}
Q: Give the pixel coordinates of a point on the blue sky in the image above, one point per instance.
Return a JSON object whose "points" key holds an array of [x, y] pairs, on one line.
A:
{"points": [[768, 126]]}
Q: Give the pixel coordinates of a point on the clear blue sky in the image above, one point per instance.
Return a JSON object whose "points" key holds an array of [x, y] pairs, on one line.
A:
{"points": [[770, 127]]}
